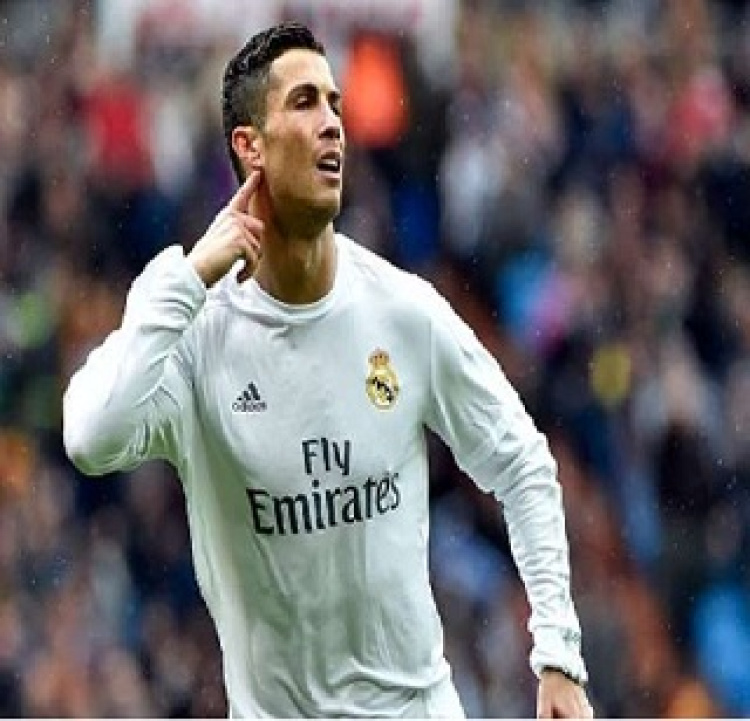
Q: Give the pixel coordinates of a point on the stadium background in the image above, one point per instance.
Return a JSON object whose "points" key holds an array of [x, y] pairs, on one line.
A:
{"points": [[574, 176]]}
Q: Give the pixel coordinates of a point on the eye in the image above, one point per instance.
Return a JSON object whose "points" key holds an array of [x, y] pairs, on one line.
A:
{"points": [[334, 100]]}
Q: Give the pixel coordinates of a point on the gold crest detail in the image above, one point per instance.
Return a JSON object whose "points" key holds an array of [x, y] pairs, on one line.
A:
{"points": [[382, 383]]}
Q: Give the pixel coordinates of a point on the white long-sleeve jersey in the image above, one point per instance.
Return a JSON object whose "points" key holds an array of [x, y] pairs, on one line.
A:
{"points": [[298, 433]]}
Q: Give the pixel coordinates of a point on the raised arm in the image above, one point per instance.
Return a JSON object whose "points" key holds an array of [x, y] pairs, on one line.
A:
{"points": [[120, 405], [133, 393]]}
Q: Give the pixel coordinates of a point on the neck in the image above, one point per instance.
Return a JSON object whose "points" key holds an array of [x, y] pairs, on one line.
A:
{"points": [[296, 269]]}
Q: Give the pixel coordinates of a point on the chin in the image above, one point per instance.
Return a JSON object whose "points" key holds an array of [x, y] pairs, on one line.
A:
{"points": [[317, 216], [328, 208], [307, 215]]}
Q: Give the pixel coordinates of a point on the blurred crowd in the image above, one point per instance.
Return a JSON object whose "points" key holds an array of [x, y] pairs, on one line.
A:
{"points": [[573, 175]]}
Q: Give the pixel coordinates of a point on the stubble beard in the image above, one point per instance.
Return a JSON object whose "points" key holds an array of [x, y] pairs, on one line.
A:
{"points": [[303, 218]]}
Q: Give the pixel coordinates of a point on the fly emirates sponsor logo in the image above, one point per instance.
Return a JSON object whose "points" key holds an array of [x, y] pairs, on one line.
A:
{"points": [[324, 506]]}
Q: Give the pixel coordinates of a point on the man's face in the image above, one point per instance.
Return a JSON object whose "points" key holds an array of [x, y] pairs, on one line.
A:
{"points": [[302, 142]]}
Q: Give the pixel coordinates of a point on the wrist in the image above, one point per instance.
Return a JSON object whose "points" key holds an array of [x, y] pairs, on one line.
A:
{"points": [[580, 681], [202, 268], [558, 648]]}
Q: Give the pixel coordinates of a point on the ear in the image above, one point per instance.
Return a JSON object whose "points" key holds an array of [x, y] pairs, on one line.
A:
{"points": [[248, 144]]}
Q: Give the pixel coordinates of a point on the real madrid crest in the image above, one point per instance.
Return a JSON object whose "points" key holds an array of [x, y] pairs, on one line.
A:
{"points": [[382, 383]]}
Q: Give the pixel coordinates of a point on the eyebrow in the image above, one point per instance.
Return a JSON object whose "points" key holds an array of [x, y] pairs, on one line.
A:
{"points": [[333, 95]]}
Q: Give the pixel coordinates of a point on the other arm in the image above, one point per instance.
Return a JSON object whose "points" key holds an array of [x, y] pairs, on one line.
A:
{"points": [[494, 440]]}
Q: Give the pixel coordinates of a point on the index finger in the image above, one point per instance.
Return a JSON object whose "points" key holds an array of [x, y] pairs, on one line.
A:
{"points": [[241, 199]]}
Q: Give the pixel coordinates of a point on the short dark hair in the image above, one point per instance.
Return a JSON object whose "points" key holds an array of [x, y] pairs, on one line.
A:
{"points": [[245, 84]]}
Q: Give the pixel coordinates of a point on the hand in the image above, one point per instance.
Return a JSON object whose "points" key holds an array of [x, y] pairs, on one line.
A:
{"points": [[560, 697], [233, 235]]}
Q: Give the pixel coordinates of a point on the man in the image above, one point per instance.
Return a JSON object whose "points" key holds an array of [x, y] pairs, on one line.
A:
{"points": [[289, 375]]}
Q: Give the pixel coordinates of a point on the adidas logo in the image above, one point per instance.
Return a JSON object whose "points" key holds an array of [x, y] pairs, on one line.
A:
{"points": [[249, 401]]}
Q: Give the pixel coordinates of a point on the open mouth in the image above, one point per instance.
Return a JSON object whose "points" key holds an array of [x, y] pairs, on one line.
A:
{"points": [[330, 163]]}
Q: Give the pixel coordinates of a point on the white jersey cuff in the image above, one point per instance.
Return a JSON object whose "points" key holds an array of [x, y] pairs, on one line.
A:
{"points": [[560, 649]]}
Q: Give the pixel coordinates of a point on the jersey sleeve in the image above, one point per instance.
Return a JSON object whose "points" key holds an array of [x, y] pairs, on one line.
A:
{"points": [[479, 415], [131, 399]]}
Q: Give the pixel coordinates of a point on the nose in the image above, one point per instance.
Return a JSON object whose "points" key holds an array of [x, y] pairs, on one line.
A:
{"points": [[332, 128], [331, 132]]}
